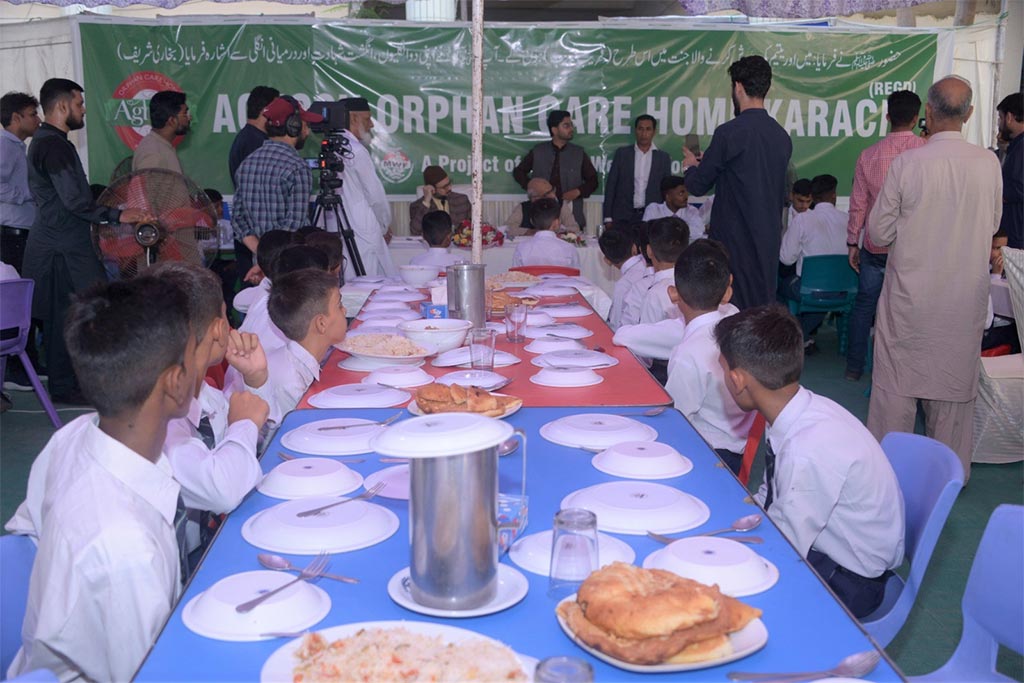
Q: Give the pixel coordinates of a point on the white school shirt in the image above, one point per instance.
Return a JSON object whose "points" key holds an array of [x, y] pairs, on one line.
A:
{"points": [[689, 214], [632, 271], [657, 305], [816, 232], [106, 574], [696, 383], [651, 340], [834, 488], [641, 174], [436, 256], [214, 480], [258, 322], [545, 248], [290, 371], [633, 300]]}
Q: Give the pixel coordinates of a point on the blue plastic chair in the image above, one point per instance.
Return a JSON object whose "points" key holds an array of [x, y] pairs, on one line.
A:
{"points": [[16, 304], [16, 556], [993, 603], [827, 285], [930, 477]]}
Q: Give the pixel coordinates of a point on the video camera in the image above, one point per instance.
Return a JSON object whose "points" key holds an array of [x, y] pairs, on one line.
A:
{"points": [[334, 148]]}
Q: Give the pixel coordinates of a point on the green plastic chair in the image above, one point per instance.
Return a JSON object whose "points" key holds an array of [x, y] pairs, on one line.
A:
{"points": [[827, 285]]}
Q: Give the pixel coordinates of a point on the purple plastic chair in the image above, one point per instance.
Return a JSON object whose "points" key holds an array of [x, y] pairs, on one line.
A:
{"points": [[16, 304], [993, 603], [930, 477]]}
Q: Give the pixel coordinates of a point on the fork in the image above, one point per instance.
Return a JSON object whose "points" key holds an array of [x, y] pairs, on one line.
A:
{"points": [[365, 495], [739, 539], [313, 570], [499, 385], [361, 424], [349, 460]]}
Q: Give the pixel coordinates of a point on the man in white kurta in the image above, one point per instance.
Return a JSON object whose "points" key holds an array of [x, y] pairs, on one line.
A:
{"points": [[937, 211]]}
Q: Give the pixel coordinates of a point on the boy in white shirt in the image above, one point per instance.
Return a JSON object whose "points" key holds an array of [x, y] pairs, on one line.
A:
{"points": [[257, 320], [642, 277], [619, 250], [545, 248], [667, 238], [827, 482], [101, 498], [696, 381], [677, 198], [437, 231]]}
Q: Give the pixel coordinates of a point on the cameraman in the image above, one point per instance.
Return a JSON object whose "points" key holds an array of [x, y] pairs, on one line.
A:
{"points": [[366, 205]]}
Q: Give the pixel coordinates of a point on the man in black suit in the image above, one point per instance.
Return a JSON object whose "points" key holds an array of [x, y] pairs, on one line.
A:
{"points": [[635, 178]]}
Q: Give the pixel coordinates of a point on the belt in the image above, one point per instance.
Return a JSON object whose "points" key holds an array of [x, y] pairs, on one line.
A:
{"points": [[19, 232]]}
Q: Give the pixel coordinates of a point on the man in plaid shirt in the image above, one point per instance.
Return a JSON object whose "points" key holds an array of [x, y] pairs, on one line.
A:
{"points": [[869, 260], [274, 182]]}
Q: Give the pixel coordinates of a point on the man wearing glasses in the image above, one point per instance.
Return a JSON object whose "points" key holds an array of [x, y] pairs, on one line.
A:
{"points": [[438, 196]]}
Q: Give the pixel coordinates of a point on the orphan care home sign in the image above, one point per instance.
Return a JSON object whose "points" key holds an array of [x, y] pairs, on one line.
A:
{"points": [[829, 89]]}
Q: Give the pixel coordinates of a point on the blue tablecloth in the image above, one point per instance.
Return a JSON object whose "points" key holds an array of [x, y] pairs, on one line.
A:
{"points": [[807, 628]]}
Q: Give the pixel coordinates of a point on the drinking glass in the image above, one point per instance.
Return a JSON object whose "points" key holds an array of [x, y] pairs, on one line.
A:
{"points": [[563, 669], [481, 349], [515, 323], [573, 551]]}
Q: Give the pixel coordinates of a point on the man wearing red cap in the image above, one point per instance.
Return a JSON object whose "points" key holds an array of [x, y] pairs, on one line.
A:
{"points": [[274, 182], [438, 196]]}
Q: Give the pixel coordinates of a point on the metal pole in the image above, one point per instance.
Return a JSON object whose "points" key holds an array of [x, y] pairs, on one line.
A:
{"points": [[478, 128], [997, 75]]}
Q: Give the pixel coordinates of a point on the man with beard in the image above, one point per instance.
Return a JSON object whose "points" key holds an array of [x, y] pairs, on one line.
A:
{"points": [[366, 204], [274, 182], [168, 117], [1011, 129], [59, 254], [746, 164]]}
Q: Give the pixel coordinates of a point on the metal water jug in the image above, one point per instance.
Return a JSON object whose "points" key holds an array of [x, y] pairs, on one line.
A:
{"points": [[467, 298]]}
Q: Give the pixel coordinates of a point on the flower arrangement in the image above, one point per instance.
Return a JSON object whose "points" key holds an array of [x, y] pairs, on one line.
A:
{"points": [[490, 236], [573, 238]]}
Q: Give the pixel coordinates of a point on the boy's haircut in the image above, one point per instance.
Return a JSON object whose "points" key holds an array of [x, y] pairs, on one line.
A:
{"points": [[556, 117], [641, 236], [766, 341], [645, 117], [259, 98], [802, 187], [300, 235], [297, 298], [201, 286], [163, 105], [330, 244], [298, 257], [903, 107], [668, 237], [272, 243], [544, 212], [999, 234], [121, 336], [670, 183], [754, 73], [616, 245], [823, 185], [436, 226], [1011, 104], [56, 89], [702, 275], [213, 195], [13, 103]]}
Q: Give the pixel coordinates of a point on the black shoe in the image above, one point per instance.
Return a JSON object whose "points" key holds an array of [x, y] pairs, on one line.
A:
{"points": [[853, 375], [71, 398]]}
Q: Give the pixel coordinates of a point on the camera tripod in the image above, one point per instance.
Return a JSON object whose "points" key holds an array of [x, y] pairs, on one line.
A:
{"points": [[327, 199]]}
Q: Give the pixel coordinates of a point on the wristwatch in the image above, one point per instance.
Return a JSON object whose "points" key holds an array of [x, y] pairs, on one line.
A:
{"points": [[852, 245]]}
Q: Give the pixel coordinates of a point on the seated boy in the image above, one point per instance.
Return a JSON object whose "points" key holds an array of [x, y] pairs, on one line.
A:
{"points": [[667, 239], [101, 496], [437, 231], [677, 198], [799, 199], [330, 244], [266, 260], [999, 331], [618, 247], [696, 382], [257, 320], [306, 305], [633, 298], [546, 248], [827, 483]]}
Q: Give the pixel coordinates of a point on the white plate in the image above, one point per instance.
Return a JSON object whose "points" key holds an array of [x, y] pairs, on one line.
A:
{"points": [[357, 364], [398, 288], [471, 378], [307, 477], [533, 552], [367, 279], [343, 528], [460, 356], [415, 409], [402, 297], [359, 396], [383, 306], [549, 344], [565, 310], [534, 318], [737, 569], [372, 328], [550, 289], [550, 377], [212, 613], [388, 359], [578, 358], [401, 376], [309, 438], [404, 313], [570, 330], [596, 431], [642, 460], [745, 642], [497, 327], [512, 587], [279, 666], [636, 507], [396, 482]]}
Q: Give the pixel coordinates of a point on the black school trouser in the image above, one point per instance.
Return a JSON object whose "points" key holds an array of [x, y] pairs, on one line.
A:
{"points": [[861, 595]]}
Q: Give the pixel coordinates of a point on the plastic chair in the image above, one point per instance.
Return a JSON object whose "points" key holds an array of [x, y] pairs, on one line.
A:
{"points": [[16, 303], [16, 556], [546, 270], [827, 285], [993, 603], [750, 450], [995, 351], [930, 477]]}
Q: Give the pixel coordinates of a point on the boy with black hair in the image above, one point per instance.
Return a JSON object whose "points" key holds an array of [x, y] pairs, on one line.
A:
{"points": [[799, 199], [330, 244], [668, 238], [101, 496], [696, 383], [676, 203], [546, 248], [827, 483], [618, 246], [437, 231]]}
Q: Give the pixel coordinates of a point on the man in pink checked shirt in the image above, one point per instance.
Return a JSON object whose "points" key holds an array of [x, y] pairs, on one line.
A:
{"points": [[869, 260]]}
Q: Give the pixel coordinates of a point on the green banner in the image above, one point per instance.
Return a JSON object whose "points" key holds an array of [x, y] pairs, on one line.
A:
{"points": [[828, 91]]}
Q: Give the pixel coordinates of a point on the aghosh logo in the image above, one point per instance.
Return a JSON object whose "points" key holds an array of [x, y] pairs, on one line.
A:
{"points": [[131, 113], [396, 167]]}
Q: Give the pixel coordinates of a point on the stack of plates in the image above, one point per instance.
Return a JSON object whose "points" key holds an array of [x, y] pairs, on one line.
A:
{"points": [[642, 460], [737, 569], [362, 364], [533, 552], [577, 358], [636, 507], [351, 526], [549, 344], [460, 356], [596, 431], [314, 439], [472, 378], [307, 477], [570, 330], [566, 377], [359, 396]]}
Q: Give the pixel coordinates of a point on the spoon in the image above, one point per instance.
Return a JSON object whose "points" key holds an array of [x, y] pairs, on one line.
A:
{"points": [[660, 538], [508, 446], [856, 665], [349, 460], [742, 524], [278, 563], [650, 412]]}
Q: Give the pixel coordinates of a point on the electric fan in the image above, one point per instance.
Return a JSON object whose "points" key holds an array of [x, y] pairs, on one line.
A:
{"points": [[123, 168], [185, 228]]}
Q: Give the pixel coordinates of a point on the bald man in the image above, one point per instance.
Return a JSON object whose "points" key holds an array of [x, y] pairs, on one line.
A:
{"points": [[937, 211], [519, 222]]}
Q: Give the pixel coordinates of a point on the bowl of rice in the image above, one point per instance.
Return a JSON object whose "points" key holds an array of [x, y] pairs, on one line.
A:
{"points": [[393, 348], [444, 334], [418, 276]]}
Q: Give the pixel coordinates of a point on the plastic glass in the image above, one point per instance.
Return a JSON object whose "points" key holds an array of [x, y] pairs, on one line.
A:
{"points": [[563, 669], [515, 323], [481, 349], [573, 551]]}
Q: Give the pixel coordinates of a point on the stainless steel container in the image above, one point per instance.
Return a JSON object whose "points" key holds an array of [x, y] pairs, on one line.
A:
{"points": [[467, 298]]}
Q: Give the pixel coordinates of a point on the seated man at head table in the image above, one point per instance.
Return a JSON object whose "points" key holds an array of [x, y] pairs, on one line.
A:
{"points": [[676, 203], [520, 221], [827, 483], [546, 248], [437, 231], [101, 497], [438, 195]]}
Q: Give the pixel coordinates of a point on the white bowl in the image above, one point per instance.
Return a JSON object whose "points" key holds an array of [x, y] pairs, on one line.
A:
{"points": [[305, 477], [549, 344], [343, 528], [418, 276], [538, 318], [443, 333], [567, 377], [399, 376], [736, 568], [642, 460]]}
